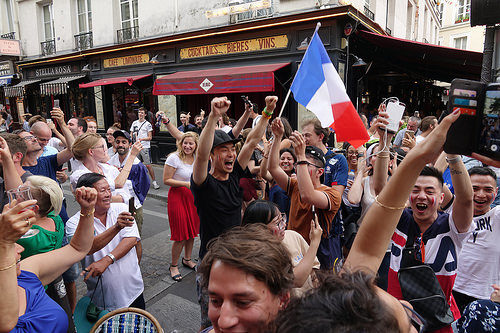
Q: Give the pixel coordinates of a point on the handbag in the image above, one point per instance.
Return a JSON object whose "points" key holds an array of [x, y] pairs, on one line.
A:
{"points": [[420, 287], [93, 311]]}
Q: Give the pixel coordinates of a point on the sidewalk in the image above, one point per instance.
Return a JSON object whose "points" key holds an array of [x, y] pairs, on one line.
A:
{"points": [[162, 192]]}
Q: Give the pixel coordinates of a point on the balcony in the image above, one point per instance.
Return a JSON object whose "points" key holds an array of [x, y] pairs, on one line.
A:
{"points": [[48, 47], [369, 13], [10, 35], [250, 15], [462, 18], [127, 34], [84, 41]]}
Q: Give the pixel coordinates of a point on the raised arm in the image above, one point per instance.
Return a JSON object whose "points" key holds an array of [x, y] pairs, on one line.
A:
{"points": [[306, 187], [242, 121], [13, 224], [279, 175], [303, 269], [11, 178], [264, 163], [47, 266], [382, 218], [382, 155], [356, 191], [58, 134], [462, 206], [66, 154], [257, 132], [125, 171], [219, 106]]}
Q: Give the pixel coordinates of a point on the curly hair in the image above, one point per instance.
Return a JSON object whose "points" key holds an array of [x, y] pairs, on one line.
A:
{"points": [[254, 250]]}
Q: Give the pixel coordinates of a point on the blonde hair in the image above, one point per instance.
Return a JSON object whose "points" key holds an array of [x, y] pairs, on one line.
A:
{"points": [[180, 151], [48, 194], [83, 143]]}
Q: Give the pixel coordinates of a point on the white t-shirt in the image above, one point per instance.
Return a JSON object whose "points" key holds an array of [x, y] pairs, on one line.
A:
{"points": [[479, 261], [110, 173], [419, 139], [256, 120], [125, 271], [183, 170], [141, 129], [115, 161]]}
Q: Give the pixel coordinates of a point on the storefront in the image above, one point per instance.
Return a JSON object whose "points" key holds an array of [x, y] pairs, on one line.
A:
{"points": [[184, 72], [48, 84]]}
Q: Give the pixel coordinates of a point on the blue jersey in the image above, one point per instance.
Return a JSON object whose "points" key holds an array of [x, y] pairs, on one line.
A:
{"points": [[336, 170]]}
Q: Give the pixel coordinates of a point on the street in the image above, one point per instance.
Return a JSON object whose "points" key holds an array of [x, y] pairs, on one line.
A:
{"points": [[174, 304]]}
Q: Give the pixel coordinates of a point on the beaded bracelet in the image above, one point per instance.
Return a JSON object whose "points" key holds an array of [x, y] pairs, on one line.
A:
{"points": [[266, 114]]}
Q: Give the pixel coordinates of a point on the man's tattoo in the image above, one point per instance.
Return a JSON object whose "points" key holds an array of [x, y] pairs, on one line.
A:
{"points": [[455, 172]]}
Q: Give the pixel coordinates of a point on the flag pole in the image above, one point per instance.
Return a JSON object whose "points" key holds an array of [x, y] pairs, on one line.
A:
{"points": [[318, 25]]}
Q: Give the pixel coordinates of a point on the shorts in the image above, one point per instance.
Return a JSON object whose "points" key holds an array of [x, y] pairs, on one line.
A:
{"points": [[145, 156]]}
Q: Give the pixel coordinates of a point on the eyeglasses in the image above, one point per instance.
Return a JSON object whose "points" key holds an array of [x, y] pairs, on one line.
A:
{"points": [[281, 222], [42, 140], [308, 163], [29, 138], [416, 320]]}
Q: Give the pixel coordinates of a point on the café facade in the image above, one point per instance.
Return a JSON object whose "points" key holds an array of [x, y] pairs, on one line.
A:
{"points": [[184, 72]]}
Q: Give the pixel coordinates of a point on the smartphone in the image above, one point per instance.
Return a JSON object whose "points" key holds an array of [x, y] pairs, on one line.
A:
{"points": [[409, 134], [246, 100], [131, 206], [49, 121], [395, 111], [56, 103], [468, 97], [489, 131]]}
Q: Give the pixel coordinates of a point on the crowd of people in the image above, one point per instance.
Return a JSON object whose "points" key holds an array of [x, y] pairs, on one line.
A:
{"points": [[295, 236]]}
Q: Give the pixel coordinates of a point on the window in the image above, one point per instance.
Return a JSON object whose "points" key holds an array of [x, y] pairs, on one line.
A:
{"points": [[84, 13], [48, 22], [440, 13], [129, 13], [463, 11], [460, 43]]}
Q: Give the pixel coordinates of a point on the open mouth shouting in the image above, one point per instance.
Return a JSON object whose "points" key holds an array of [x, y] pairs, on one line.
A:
{"points": [[421, 207]]}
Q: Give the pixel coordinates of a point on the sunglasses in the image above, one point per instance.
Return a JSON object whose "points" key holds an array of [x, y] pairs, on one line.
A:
{"points": [[281, 222], [308, 163], [416, 320]]}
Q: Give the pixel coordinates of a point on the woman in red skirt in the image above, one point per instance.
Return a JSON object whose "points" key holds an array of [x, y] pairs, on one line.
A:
{"points": [[182, 216]]}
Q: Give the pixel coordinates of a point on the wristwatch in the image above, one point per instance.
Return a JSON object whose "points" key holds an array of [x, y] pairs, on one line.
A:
{"points": [[112, 257]]}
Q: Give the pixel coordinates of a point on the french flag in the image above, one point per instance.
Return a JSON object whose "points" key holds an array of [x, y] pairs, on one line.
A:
{"points": [[318, 87]]}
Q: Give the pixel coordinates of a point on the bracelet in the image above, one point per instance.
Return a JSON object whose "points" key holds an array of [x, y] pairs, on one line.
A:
{"points": [[167, 122], [110, 255], [388, 207], [453, 160], [265, 113], [10, 266], [88, 214]]}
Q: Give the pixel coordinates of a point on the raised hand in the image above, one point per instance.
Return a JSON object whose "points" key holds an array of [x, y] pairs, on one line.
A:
{"points": [[277, 128], [271, 103], [16, 220], [86, 198], [125, 219], [299, 144], [315, 232], [58, 115], [4, 150], [220, 105], [136, 148]]}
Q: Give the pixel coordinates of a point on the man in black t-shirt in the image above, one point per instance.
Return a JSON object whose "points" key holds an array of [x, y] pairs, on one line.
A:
{"points": [[217, 194]]}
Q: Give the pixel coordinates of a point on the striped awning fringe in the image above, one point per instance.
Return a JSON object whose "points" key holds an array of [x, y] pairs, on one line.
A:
{"points": [[59, 86], [18, 89]]}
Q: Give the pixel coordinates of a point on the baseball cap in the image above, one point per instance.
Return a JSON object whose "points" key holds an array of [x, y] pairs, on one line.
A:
{"points": [[316, 153], [221, 137], [125, 134]]}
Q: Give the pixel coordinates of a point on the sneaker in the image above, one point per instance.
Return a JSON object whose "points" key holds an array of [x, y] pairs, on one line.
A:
{"points": [[155, 185]]}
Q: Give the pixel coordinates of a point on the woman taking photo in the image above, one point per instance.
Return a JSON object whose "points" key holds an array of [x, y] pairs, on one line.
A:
{"points": [[24, 305], [182, 216]]}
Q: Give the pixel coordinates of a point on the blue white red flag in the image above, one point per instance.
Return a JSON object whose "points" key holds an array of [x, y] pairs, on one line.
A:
{"points": [[318, 87]]}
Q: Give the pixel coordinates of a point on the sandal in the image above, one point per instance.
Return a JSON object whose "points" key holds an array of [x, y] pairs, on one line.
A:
{"points": [[176, 278], [186, 265]]}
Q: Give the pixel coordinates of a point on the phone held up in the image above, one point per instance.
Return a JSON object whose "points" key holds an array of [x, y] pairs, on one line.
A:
{"points": [[478, 127], [395, 111], [56, 104]]}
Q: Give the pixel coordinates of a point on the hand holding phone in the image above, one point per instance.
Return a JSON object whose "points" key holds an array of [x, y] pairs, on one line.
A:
{"points": [[131, 206], [56, 104]]}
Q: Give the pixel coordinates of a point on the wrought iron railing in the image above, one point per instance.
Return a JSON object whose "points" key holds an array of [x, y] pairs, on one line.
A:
{"points": [[84, 41], [127, 34], [48, 47], [389, 31], [10, 35], [369, 13]]}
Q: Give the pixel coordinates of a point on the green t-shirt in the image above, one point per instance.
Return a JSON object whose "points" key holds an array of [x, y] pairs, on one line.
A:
{"points": [[45, 240]]}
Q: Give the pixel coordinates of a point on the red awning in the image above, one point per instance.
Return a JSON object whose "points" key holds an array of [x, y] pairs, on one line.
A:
{"points": [[113, 80], [432, 61], [244, 79]]}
